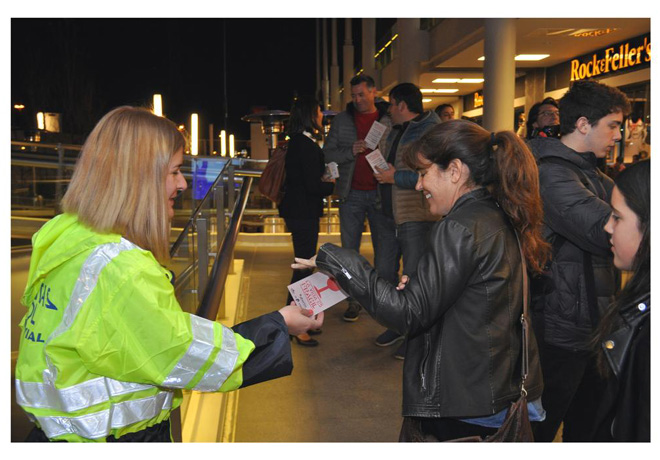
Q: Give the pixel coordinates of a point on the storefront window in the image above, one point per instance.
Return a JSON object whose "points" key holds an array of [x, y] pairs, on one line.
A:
{"points": [[636, 135]]}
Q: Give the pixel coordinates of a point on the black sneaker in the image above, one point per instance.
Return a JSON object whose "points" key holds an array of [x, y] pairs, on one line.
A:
{"points": [[352, 312], [387, 338], [400, 353]]}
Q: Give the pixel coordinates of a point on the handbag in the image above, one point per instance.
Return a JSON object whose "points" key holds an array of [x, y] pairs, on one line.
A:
{"points": [[271, 183], [516, 426]]}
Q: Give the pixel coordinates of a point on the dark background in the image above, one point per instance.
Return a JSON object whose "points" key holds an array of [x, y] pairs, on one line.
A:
{"points": [[82, 68]]}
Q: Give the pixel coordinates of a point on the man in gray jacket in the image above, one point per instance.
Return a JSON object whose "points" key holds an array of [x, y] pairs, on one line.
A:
{"points": [[397, 185], [356, 186], [581, 280]]}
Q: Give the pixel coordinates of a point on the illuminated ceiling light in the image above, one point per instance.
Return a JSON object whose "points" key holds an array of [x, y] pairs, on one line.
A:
{"points": [[446, 80], [19, 106], [438, 91], [194, 125], [458, 80], [158, 105], [531, 57], [427, 99], [525, 57]]}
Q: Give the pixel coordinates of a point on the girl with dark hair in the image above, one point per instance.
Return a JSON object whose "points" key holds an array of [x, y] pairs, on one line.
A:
{"points": [[304, 187], [461, 311], [624, 334]]}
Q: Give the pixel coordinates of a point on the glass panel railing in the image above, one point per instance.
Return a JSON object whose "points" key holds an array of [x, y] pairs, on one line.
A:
{"points": [[213, 193]]}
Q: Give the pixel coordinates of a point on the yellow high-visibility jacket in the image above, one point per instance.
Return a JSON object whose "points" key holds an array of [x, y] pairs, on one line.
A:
{"points": [[105, 348]]}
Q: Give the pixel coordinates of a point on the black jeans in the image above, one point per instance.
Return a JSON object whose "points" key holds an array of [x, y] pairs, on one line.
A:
{"points": [[422, 429], [573, 391], [305, 236]]}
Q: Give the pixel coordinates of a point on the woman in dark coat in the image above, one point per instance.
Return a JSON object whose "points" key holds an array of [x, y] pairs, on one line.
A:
{"points": [[305, 186], [624, 335]]}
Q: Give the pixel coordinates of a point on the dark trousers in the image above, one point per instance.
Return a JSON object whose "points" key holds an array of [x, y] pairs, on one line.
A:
{"points": [[422, 429], [305, 236], [573, 392], [156, 433]]}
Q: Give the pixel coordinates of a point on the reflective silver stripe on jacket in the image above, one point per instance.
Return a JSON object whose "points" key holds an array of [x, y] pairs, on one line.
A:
{"points": [[86, 394], [196, 356], [98, 424], [85, 284], [223, 365]]}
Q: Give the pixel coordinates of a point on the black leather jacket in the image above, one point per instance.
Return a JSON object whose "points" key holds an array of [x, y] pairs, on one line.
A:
{"points": [[628, 352], [461, 313]]}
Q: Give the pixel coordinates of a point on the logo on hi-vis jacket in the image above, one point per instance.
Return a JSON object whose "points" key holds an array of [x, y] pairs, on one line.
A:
{"points": [[42, 300]]}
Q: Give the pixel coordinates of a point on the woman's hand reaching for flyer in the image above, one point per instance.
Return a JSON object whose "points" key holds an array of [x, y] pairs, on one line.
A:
{"points": [[302, 264]]}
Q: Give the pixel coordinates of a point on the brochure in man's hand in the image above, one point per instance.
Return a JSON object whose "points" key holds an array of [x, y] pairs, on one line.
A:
{"points": [[374, 135], [376, 160], [317, 292]]}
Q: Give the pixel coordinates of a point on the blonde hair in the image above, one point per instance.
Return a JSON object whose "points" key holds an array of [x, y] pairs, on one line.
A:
{"points": [[119, 182]]}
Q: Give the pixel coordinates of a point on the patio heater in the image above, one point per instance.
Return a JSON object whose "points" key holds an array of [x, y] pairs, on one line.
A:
{"points": [[272, 123]]}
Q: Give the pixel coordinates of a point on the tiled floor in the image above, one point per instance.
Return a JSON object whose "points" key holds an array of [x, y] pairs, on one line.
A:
{"points": [[345, 390]]}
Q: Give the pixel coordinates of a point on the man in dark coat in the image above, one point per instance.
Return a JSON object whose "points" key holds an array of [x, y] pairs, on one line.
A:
{"points": [[581, 280]]}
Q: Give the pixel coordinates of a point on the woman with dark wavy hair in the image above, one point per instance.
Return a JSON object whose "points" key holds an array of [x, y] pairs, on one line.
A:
{"points": [[624, 335], [462, 310]]}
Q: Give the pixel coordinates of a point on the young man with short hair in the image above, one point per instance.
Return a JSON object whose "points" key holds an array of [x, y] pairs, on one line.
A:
{"points": [[569, 302]]}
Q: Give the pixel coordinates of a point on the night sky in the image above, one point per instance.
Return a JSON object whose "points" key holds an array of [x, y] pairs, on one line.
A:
{"points": [[82, 68]]}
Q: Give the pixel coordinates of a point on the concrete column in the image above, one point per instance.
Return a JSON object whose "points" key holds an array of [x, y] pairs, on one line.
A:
{"points": [[369, 49], [534, 88], [348, 72], [334, 71], [499, 73], [325, 82], [409, 50]]}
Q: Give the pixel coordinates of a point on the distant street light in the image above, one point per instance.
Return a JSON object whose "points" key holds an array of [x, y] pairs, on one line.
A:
{"points": [[19, 107], [194, 125], [158, 105], [223, 143]]}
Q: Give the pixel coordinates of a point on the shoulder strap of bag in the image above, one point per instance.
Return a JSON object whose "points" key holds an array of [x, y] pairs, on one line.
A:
{"points": [[524, 370]]}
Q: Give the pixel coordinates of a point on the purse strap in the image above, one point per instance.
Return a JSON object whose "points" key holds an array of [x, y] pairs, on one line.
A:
{"points": [[523, 320]]}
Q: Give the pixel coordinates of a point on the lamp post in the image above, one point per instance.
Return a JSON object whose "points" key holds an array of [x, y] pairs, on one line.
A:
{"points": [[223, 143], [194, 134], [158, 105], [41, 124]]}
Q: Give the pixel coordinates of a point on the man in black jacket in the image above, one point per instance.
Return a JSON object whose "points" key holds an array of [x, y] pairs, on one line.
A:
{"points": [[581, 280]]}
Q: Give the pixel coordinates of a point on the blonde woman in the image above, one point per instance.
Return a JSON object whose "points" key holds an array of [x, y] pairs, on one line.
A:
{"points": [[106, 349]]}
